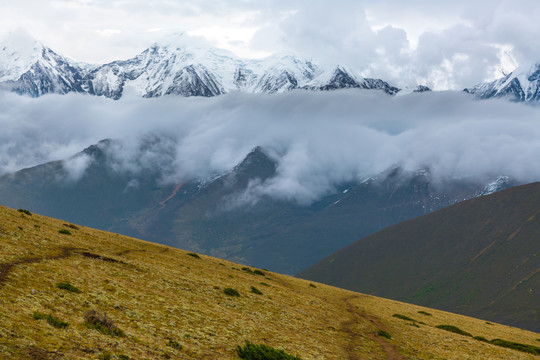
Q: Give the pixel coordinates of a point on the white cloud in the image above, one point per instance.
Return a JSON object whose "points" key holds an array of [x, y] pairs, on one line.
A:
{"points": [[319, 139]]}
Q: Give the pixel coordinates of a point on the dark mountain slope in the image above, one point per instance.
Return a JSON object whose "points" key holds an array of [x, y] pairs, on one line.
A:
{"points": [[479, 257], [101, 197]]}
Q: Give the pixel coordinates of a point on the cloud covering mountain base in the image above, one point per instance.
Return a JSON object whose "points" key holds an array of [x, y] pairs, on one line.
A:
{"points": [[318, 139]]}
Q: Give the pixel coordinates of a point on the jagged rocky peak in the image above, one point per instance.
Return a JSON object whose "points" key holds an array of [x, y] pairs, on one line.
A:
{"points": [[522, 85], [176, 65]]}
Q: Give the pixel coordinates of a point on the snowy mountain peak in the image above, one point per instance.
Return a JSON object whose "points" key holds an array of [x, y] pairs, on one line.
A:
{"points": [[18, 51], [521, 85], [176, 65]]}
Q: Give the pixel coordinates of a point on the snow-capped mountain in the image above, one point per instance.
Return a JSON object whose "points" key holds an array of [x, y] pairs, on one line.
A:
{"points": [[175, 66], [28, 67], [522, 85]]}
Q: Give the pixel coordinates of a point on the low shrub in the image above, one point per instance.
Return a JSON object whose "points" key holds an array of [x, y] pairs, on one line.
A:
{"points": [[531, 349], [264, 284], [424, 313], [312, 285], [102, 323], [481, 338], [403, 317], [64, 231], [105, 356], [251, 351], [231, 292], [453, 329], [255, 290], [196, 256], [75, 227], [24, 211], [57, 323], [259, 272], [174, 344], [68, 287], [383, 334]]}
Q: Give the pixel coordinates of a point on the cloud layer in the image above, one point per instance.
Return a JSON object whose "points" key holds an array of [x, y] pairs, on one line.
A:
{"points": [[319, 139]]}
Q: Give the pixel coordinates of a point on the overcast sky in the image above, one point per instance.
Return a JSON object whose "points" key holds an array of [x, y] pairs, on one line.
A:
{"points": [[444, 44]]}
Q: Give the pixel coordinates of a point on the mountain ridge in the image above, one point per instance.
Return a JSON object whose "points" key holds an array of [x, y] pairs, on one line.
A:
{"points": [[173, 67], [478, 256]]}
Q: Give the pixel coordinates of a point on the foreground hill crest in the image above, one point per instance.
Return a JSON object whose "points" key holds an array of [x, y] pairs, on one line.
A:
{"points": [[68, 291]]}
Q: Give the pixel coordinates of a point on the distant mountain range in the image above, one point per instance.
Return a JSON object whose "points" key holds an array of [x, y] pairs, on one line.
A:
{"points": [[176, 67], [201, 216], [171, 67], [480, 256]]}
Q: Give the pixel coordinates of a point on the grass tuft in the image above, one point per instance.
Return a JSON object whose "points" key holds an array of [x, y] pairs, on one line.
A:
{"points": [[57, 323], [174, 344], [67, 286], [481, 338], [230, 291], [24, 211], [64, 231], [384, 334], [403, 317], [531, 349], [424, 313], [312, 285], [251, 351], [255, 290], [454, 329], [196, 256], [102, 323]]}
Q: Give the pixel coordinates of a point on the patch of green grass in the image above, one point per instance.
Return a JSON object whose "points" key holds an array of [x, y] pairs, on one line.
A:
{"points": [[231, 292], [252, 351], [105, 356], [57, 323], [454, 329], [64, 231], [481, 338], [174, 344], [102, 323], [123, 357], [196, 256], [531, 349], [384, 334], [255, 290], [24, 211], [265, 284], [67, 286], [403, 317], [424, 313]]}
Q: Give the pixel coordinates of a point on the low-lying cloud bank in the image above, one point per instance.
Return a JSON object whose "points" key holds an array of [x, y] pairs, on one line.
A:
{"points": [[319, 139]]}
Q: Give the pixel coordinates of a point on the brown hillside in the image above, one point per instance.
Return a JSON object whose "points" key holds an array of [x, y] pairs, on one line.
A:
{"points": [[165, 303]]}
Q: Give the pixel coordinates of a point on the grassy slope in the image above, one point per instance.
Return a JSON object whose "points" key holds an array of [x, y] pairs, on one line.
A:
{"points": [[155, 294], [480, 258]]}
